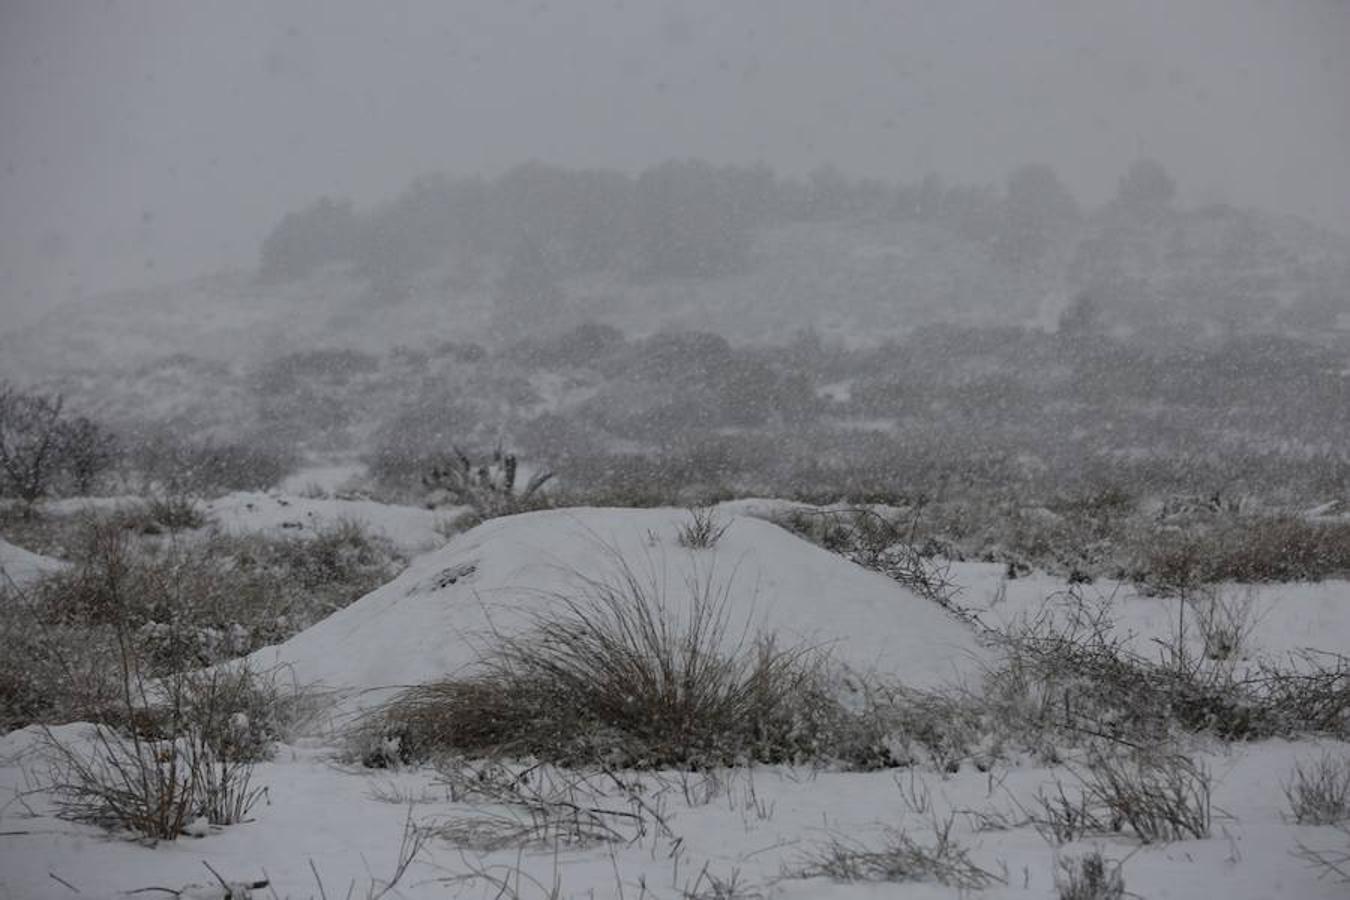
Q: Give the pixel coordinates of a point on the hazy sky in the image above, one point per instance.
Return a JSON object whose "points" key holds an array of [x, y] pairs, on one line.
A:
{"points": [[148, 141]]}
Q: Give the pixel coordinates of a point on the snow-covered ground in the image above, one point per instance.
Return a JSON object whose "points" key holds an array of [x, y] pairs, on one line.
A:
{"points": [[411, 529], [19, 566], [755, 826]]}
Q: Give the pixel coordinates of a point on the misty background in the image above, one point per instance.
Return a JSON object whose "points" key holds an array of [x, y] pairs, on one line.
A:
{"points": [[143, 143]]}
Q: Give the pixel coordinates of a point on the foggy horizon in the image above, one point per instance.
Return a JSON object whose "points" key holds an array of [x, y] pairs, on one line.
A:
{"points": [[149, 142]]}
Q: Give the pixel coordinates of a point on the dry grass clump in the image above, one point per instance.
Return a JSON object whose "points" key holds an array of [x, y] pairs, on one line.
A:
{"points": [[1090, 877], [1160, 796], [622, 674], [1319, 792]]}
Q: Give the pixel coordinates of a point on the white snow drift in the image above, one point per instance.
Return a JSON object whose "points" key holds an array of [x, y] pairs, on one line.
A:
{"points": [[433, 619]]}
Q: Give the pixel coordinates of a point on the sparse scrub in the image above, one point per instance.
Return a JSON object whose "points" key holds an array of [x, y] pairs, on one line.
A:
{"points": [[1090, 877], [166, 462], [180, 605], [618, 673], [1246, 549], [703, 530], [1319, 792]]}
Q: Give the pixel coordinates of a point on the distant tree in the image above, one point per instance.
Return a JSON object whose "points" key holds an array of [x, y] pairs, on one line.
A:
{"points": [[30, 443], [88, 450], [1146, 187], [1037, 208], [689, 222], [323, 232], [1082, 317]]}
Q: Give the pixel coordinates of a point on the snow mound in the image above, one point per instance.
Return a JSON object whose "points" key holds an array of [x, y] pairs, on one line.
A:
{"points": [[433, 619], [24, 567], [411, 529]]}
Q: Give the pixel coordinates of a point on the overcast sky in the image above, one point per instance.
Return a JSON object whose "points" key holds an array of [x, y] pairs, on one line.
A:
{"points": [[149, 141]]}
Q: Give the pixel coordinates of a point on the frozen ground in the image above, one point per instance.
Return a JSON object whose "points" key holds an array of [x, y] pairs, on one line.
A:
{"points": [[327, 822]]}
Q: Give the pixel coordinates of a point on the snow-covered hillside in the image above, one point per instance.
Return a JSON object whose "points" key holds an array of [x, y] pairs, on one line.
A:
{"points": [[328, 829]]}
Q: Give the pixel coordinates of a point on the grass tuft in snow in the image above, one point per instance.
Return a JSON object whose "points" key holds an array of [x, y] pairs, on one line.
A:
{"points": [[1319, 792], [703, 530], [622, 674], [1089, 877], [898, 858]]}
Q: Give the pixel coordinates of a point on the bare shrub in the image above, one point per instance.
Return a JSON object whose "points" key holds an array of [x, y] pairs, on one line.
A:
{"points": [[187, 752], [1161, 797], [88, 450], [617, 672], [1319, 792], [703, 530], [1090, 877], [30, 443], [1225, 619]]}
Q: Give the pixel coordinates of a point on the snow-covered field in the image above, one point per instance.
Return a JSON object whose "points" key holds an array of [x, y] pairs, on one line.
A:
{"points": [[332, 829]]}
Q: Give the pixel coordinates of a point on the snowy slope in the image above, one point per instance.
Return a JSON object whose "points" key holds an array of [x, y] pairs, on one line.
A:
{"points": [[20, 566], [431, 620]]}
